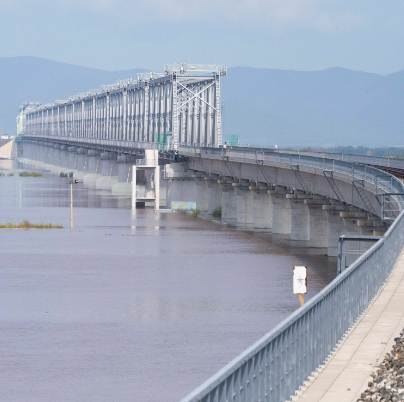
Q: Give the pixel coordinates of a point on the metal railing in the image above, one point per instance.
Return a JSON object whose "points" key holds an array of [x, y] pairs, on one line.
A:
{"points": [[349, 170], [276, 366], [279, 363]]}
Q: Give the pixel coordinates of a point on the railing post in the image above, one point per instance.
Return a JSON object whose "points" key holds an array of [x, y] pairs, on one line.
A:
{"points": [[340, 255]]}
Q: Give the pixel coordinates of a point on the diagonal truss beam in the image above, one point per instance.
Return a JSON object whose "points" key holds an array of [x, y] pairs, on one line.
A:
{"points": [[196, 95]]}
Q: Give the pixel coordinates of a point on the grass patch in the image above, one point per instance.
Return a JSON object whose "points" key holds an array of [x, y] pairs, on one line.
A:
{"points": [[217, 212], [26, 224], [29, 174]]}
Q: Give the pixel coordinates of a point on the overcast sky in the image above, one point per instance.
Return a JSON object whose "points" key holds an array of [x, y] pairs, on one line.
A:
{"points": [[366, 35]]}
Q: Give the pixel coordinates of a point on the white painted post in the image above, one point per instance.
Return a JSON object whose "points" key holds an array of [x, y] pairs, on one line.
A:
{"points": [[134, 187]]}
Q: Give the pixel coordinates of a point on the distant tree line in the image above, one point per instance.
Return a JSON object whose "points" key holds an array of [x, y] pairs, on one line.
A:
{"points": [[392, 152]]}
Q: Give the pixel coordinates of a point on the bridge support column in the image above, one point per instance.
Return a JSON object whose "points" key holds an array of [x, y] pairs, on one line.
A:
{"points": [[281, 214], [56, 159], [318, 227], [229, 205], [82, 165], [202, 196], [245, 206], [72, 162], [214, 196], [93, 162], [48, 154], [181, 190], [262, 209], [109, 171], [299, 221], [335, 229], [37, 162], [64, 159], [124, 185]]}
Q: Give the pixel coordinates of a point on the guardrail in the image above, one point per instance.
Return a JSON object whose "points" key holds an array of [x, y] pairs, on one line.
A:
{"points": [[348, 169], [278, 364]]}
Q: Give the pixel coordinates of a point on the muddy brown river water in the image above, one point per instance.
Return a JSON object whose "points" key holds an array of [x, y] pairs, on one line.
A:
{"points": [[130, 305]]}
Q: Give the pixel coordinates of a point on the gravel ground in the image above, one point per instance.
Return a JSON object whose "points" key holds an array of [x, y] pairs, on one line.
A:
{"points": [[388, 380]]}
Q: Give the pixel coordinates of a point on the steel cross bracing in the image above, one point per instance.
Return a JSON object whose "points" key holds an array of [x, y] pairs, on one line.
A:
{"points": [[360, 188], [178, 107], [229, 167], [329, 175], [204, 168], [260, 164], [296, 171]]}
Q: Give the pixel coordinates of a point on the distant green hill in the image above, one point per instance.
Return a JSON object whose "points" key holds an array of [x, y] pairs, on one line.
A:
{"points": [[262, 106]]}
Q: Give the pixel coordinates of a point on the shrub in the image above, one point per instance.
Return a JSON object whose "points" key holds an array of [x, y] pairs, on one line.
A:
{"points": [[195, 213], [29, 174], [11, 174], [217, 212]]}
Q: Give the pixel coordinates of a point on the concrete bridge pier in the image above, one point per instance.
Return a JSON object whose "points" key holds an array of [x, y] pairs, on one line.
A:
{"points": [[109, 171], [214, 195], [35, 156], [124, 186], [82, 165], [48, 153], [55, 168], [72, 159], [201, 195], [245, 205], [299, 220], [93, 174], [64, 159], [29, 154], [262, 208], [53, 156], [335, 226], [181, 190], [281, 212], [229, 204], [318, 227]]}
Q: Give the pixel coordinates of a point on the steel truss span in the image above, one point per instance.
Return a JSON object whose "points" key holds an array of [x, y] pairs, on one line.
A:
{"points": [[178, 107]]}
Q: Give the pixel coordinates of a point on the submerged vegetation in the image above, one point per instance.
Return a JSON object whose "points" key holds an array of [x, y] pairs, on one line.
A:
{"points": [[217, 212], [63, 174], [195, 213], [26, 224], [29, 174]]}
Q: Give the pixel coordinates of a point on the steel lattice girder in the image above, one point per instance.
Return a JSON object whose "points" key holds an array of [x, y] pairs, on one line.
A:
{"points": [[186, 108]]}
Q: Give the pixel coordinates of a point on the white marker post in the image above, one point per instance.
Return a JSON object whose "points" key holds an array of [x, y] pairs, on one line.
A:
{"points": [[300, 282]]}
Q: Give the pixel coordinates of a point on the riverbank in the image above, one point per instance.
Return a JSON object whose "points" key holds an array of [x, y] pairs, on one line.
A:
{"points": [[388, 380]]}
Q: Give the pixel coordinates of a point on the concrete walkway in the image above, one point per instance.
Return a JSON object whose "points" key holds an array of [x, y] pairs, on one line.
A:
{"points": [[347, 373]]}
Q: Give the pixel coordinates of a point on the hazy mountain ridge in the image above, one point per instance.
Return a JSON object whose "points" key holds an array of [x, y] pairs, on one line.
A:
{"points": [[263, 106]]}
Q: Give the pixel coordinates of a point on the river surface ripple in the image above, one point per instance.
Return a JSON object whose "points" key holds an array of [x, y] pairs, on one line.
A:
{"points": [[130, 306]]}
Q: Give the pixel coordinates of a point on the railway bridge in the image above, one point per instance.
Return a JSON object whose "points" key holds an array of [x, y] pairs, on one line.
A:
{"points": [[159, 141]]}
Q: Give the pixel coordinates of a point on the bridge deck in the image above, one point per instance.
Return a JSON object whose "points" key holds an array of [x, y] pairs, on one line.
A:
{"points": [[347, 373]]}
